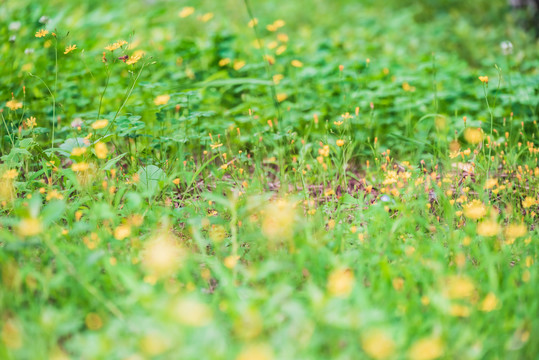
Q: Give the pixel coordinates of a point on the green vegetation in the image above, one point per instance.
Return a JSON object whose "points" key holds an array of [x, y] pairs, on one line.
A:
{"points": [[268, 180]]}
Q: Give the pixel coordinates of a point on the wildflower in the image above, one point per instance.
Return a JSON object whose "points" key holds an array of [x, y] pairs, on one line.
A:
{"points": [[54, 194], [176, 181], [398, 283], [281, 97], [473, 135], [42, 33], [206, 17], [122, 231], [475, 210], [488, 228], [69, 49], [10, 174], [483, 79], [426, 349], [238, 64], [513, 231], [80, 167], [161, 99], [162, 256], [491, 183], [100, 124], [459, 310], [529, 202], [256, 352], [31, 122], [340, 282], [231, 261], [224, 62], [14, 104], [134, 58], [116, 45], [186, 11], [29, 227], [252, 22], [378, 344], [296, 63], [458, 287], [489, 303], [277, 78], [191, 312], [101, 150], [278, 223], [78, 151]]}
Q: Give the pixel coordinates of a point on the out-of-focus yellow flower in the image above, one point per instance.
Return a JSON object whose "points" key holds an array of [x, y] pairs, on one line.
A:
{"points": [[191, 312], [80, 167], [256, 352], [489, 303], [483, 79], [513, 231], [186, 11], [69, 49], [206, 17], [458, 287], [10, 174], [529, 202], [78, 151], [475, 210], [341, 282], [473, 135], [340, 142], [238, 64], [281, 97], [296, 63], [14, 104], [488, 228], [133, 59], [31, 122], [459, 310], [161, 99], [116, 45], [378, 344], [29, 227], [426, 349], [122, 231], [162, 255], [101, 150], [42, 33], [278, 223], [100, 124]]}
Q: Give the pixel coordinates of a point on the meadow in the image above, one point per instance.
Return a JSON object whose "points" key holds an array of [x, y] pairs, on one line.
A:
{"points": [[259, 180]]}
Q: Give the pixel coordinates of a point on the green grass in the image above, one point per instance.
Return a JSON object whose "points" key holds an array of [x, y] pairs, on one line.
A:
{"points": [[335, 182]]}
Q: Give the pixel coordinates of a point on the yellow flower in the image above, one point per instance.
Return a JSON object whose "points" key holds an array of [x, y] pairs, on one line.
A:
{"points": [[29, 227], [176, 181], [116, 45], [191, 312], [488, 228], [458, 287], [122, 231], [513, 231], [426, 349], [100, 124], [378, 344], [256, 352], [31, 122], [162, 255], [224, 62], [340, 282], [340, 142], [10, 174], [238, 64], [101, 150], [296, 63], [489, 303], [475, 210], [529, 202], [473, 135], [186, 11], [42, 33], [80, 167], [161, 100], [281, 97], [459, 310], [134, 58], [206, 17], [78, 151], [483, 79], [69, 49], [14, 104]]}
